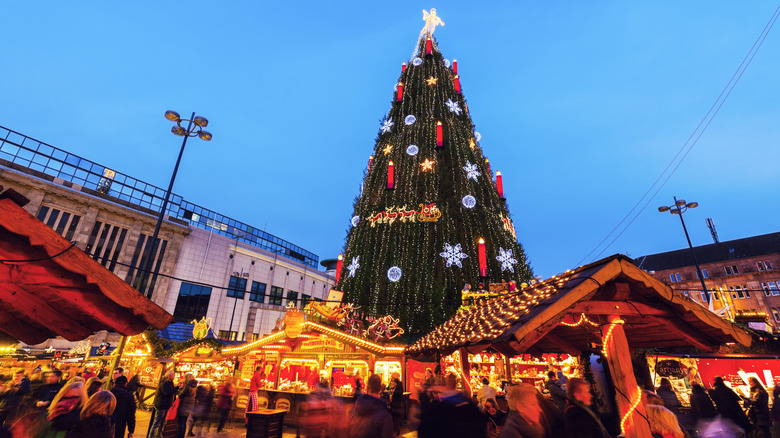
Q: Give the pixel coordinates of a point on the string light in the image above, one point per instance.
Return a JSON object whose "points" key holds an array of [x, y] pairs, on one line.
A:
{"points": [[634, 404], [583, 319], [608, 336]]}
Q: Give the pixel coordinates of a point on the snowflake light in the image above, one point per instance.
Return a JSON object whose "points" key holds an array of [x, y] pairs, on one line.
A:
{"points": [[417, 61], [453, 106], [506, 259], [447, 63], [386, 125], [477, 136], [469, 201], [453, 255], [471, 171], [394, 274], [412, 150], [410, 119], [355, 219], [353, 266]]}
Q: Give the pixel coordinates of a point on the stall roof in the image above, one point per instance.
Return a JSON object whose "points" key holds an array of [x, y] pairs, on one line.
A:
{"points": [[52, 288], [182, 331], [564, 314], [373, 347]]}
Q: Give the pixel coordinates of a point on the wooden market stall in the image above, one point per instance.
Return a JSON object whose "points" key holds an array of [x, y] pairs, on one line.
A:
{"points": [[609, 306], [52, 288]]}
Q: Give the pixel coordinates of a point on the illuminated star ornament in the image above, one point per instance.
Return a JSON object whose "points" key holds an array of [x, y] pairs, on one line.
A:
{"points": [[506, 259], [388, 149], [431, 21], [471, 143], [353, 266], [427, 165], [431, 80]]}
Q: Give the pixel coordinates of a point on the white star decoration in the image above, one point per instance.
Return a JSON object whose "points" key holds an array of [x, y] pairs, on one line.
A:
{"points": [[386, 125], [353, 266], [506, 259], [453, 106], [471, 170], [453, 254]]}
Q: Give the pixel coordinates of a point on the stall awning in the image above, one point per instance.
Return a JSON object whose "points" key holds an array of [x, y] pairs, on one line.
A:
{"points": [[49, 287], [565, 314]]}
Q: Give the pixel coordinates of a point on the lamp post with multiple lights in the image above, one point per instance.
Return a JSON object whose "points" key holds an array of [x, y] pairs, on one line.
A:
{"points": [[191, 131], [680, 207]]}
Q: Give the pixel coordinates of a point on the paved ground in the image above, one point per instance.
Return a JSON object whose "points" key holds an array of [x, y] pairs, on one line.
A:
{"points": [[233, 429]]}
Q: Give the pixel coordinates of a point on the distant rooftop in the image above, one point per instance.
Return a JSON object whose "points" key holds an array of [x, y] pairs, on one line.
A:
{"points": [[714, 252], [27, 152]]}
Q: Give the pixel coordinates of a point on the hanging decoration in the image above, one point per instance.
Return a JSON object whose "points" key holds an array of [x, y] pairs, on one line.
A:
{"points": [[412, 150], [454, 107], [384, 328], [482, 258], [469, 201], [447, 63], [410, 119], [439, 135], [471, 171], [353, 266], [354, 221], [386, 125], [201, 328], [431, 81], [427, 213], [339, 265], [507, 259], [453, 255], [417, 61], [427, 165], [471, 143], [477, 136], [394, 274], [387, 149]]}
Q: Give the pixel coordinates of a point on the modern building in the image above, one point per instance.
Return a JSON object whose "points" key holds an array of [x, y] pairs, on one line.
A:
{"points": [[208, 265], [742, 275]]}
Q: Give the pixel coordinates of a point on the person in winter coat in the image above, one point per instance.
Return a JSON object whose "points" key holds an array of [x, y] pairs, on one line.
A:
{"points": [[701, 405], [525, 415], [226, 393], [186, 404], [397, 401], [758, 407], [204, 398], [580, 421], [322, 413], [663, 422], [64, 411], [371, 418], [728, 404], [667, 394], [452, 415], [555, 387], [46, 392], [166, 392], [12, 394], [774, 414], [486, 391], [95, 420], [124, 413], [495, 417]]}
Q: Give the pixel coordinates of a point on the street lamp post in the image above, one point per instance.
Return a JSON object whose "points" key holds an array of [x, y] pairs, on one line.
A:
{"points": [[680, 207], [190, 131]]}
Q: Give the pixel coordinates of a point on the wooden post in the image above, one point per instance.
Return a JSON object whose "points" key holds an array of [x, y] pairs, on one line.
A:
{"points": [[115, 363], [508, 369], [466, 368], [619, 360]]}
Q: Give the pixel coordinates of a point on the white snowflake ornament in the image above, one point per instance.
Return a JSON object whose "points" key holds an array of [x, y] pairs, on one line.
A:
{"points": [[412, 150], [506, 259], [386, 125], [453, 106], [447, 63], [471, 171], [417, 61], [469, 201], [354, 221], [353, 266], [394, 274], [453, 255], [410, 119]]}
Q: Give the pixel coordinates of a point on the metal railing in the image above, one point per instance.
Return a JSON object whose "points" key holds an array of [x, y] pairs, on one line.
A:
{"points": [[42, 157]]}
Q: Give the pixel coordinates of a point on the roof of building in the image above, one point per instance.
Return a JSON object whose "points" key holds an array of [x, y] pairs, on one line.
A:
{"points": [[566, 313], [182, 331], [715, 252], [52, 288]]}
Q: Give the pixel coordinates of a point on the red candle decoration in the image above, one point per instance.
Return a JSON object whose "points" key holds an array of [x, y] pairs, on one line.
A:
{"points": [[390, 176], [400, 93], [338, 267], [455, 66], [457, 84], [370, 161], [487, 163], [403, 67], [439, 135], [499, 185], [428, 46], [482, 258]]}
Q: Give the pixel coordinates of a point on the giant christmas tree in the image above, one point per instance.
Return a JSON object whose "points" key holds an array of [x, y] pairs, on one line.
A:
{"points": [[427, 200]]}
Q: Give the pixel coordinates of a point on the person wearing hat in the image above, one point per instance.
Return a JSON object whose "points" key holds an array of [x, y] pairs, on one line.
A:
{"points": [[124, 413]]}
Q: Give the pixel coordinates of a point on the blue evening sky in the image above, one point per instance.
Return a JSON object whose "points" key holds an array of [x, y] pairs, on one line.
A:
{"points": [[581, 106]]}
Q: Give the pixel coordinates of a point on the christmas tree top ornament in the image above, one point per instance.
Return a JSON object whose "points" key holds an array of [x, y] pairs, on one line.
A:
{"points": [[431, 21]]}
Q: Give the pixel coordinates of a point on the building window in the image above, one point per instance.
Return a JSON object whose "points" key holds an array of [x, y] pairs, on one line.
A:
{"points": [[703, 297], [305, 300], [236, 287], [255, 336], [703, 274], [275, 297], [739, 292], [776, 313], [228, 336], [62, 222], [732, 270], [292, 297], [771, 288], [193, 302], [714, 294], [257, 293], [675, 278], [764, 265]]}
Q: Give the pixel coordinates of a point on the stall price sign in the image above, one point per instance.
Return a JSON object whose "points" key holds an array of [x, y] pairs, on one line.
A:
{"points": [[670, 368]]}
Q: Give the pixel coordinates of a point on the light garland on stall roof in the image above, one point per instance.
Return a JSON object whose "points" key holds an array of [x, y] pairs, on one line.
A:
{"points": [[583, 319], [346, 362], [631, 410]]}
